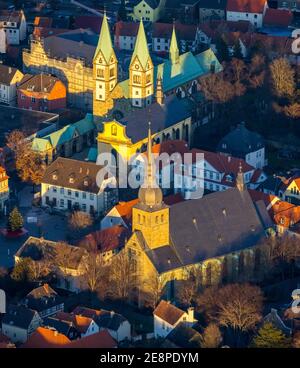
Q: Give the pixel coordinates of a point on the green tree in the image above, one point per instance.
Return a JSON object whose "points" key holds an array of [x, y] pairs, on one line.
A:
{"points": [[22, 271], [237, 50], [270, 337], [15, 220], [222, 49]]}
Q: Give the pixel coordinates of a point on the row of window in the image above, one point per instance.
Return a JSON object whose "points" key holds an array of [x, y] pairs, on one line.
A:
{"points": [[69, 193]]}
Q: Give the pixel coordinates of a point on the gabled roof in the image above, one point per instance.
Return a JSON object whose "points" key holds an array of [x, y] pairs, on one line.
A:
{"points": [[64, 134], [44, 338], [278, 17], [100, 340], [19, 316], [7, 73], [73, 174], [129, 29], [246, 6], [38, 249], [240, 142], [81, 323], [183, 336], [108, 239], [41, 83], [42, 298], [168, 312], [188, 68]]}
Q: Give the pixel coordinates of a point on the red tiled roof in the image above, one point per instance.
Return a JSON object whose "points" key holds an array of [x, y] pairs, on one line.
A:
{"points": [[168, 312], [43, 32], [87, 312], [100, 340], [108, 239], [126, 29], [278, 17], [183, 31], [246, 6], [45, 338], [81, 323]]}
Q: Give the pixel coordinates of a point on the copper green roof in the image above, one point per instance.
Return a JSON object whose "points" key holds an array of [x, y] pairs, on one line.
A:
{"points": [[63, 135], [188, 68], [105, 44], [174, 50], [141, 50]]}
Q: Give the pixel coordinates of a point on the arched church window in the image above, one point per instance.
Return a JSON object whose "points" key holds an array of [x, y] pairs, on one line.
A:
{"points": [[148, 79], [100, 73], [162, 218], [139, 219], [114, 130], [112, 72], [137, 79]]}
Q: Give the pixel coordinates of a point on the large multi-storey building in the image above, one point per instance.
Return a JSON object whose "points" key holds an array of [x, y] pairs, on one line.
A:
{"points": [[14, 25], [88, 66]]}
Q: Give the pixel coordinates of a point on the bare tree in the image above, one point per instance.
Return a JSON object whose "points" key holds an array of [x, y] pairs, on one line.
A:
{"points": [[237, 306], [123, 276], [211, 337], [282, 78], [155, 286], [80, 220]]}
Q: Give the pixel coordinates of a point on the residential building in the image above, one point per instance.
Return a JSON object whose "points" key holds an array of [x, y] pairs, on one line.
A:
{"points": [[244, 144], [118, 326], [61, 326], [65, 142], [41, 92], [125, 35], [148, 10], [3, 43], [278, 18], [108, 242], [182, 336], [15, 26], [293, 5], [167, 317], [212, 10], [84, 325], [187, 35], [9, 79], [4, 188], [69, 276], [290, 191], [44, 300], [48, 338], [215, 172], [70, 184], [252, 11], [19, 323]]}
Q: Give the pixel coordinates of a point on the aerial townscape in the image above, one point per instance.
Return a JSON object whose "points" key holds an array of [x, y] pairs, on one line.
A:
{"points": [[150, 174]]}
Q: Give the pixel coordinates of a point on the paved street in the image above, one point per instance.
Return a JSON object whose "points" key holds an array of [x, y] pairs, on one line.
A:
{"points": [[51, 227]]}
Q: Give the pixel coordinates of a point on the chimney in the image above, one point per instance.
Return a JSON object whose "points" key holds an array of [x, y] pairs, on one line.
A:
{"points": [[9, 70], [190, 313]]}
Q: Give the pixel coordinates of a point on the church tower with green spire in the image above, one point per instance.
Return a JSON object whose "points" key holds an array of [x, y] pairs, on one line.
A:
{"points": [[174, 50], [141, 72], [105, 68]]}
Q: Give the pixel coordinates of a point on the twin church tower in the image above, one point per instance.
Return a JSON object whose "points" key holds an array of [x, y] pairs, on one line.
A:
{"points": [[139, 88]]}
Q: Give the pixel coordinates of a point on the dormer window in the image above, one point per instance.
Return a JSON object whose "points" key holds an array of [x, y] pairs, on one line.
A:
{"points": [[71, 179], [54, 176]]}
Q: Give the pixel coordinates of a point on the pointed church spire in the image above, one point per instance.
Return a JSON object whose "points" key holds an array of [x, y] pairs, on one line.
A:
{"points": [[141, 49], [105, 45], [174, 50], [240, 182], [150, 181]]}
